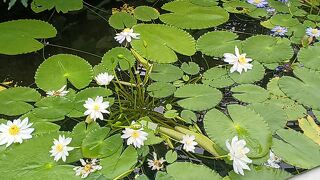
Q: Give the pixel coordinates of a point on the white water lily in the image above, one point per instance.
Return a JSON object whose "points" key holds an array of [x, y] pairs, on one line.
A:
{"points": [[60, 150], [61, 92], [15, 132], [237, 152], [96, 108], [87, 167], [155, 163], [239, 61], [189, 142], [103, 79], [127, 34], [134, 136], [273, 161]]}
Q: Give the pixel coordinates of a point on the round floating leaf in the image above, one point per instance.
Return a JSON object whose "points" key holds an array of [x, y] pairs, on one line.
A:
{"points": [[268, 49], [186, 15], [204, 2], [118, 55], [187, 170], [191, 68], [272, 113], [291, 108], [18, 36], [121, 20], [216, 43], [160, 42], [261, 173], [198, 97], [308, 83], [250, 93], [309, 57], [161, 89], [166, 73], [285, 20], [145, 13], [244, 123], [188, 116], [293, 148], [45, 127], [252, 75], [171, 156], [54, 72], [217, 77], [273, 87], [63, 6], [238, 7], [14, 101]]}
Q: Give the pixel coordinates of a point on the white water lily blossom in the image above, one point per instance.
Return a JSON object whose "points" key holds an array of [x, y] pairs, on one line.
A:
{"points": [[87, 167], [237, 153], [103, 79], [96, 108], [189, 142], [273, 161], [15, 132], [239, 61], [61, 92], [60, 149], [155, 163], [134, 136], [127, 34]]}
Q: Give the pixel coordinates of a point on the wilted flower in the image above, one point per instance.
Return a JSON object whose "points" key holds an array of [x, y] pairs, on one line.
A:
{"points": [[273, 161], [239, 61], [237, 153], [189, 142], [96, 107], [313, 32], [155, 163], [103, 79], [258, 3], [15, 132], [134, 136], [61, 92], [127, 34], [280, 31], [87, 167], [60, 149]]}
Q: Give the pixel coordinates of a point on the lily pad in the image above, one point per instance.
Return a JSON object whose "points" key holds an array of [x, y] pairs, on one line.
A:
{"points": [[238, 7], [255, 74], [187, 170], [250, 93], [261, 173], [146, 13], [60, 6], [121, 20], [186, 15], [216, 43], [118, 55], [54, 72], [309, 57], [166, 73], [161, 89], [217, 77], [191, 68], [160, 42], [198, 97]]}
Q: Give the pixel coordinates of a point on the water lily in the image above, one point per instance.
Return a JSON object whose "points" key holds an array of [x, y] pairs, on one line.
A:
{"points": [[60, 150], [155, 163], [127, 34], [279, 30], [134, 136], [15, 132], [189, 142], [87, 167], [239, 61], [61, 92], [283, 1], [96, 108], [273, 161], [313, 32], [270, 10], [103, 79], [258, 3], [237, 152]]}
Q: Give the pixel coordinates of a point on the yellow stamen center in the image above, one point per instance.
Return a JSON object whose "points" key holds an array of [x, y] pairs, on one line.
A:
{"points": [[87, 167], [279, 30], [14, 130], [157, 163], [59, 148], [257, 1], [96, 107], [314, 31], [126, 30], [135, 134], [242, 59]]}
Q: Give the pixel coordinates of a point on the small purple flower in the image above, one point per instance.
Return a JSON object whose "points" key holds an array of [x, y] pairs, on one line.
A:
{"points": [[283, 1], [313, 32], [270, 10], [258, 3], [280, 31]]}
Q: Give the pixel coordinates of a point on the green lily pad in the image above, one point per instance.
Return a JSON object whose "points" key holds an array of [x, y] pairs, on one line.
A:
{"points": [[216, 43], [255, 74], [309, 57], [245, 123], [198, 97], [250, 93], [186, 15], [191, 68], [54, 72], [60, 6], [165, 73], [161, 89], [261, 173], [238, 7], [121, 20], [118, 55], [187, 170], [217, 77], [146, 13], [156, 38]]}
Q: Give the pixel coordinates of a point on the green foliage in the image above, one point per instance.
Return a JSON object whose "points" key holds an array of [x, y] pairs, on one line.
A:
{"points": [[19, 36], [253, 75], [262, 173], [161, 89], [165, 73], [118, 56], [217, 77], [309, 57], [250, 93], [121, 20], [146, 13], [60, 5], [191, 68], [171, 156], [55, 71], [13, 2], [186, 15], [160, 42], [187, 170]]}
